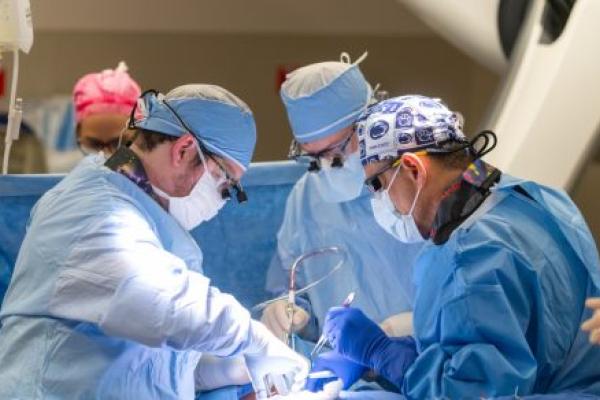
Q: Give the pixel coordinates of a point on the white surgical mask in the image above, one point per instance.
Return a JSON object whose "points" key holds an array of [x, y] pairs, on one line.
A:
{"points": [[401, 226], [337, 185], [203, 202]]}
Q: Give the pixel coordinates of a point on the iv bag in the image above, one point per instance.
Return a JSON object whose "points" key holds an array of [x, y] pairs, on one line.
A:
{"points": [[16, 27]]}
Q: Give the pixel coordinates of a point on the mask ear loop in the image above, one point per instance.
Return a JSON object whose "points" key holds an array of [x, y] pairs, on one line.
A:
{"points": [[387, 189], [201, 155], [225, 194], [205, 163], [414, 203]]}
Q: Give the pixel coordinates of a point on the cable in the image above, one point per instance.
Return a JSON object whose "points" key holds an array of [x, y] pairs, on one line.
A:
{"points": [[333, 249], [15, 113]]}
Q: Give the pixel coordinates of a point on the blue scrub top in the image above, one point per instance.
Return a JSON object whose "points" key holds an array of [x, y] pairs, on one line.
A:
{"points": [[108, 299], [378, 267], [499, 306]]}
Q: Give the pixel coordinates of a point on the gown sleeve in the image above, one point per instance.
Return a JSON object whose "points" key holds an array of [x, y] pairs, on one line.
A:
{"points": [[117, 275]]}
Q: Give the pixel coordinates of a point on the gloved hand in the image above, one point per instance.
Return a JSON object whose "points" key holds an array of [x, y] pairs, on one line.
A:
{"points": [[216, 372], [398, 325], [361, 340], [266, 354], [592, 325], [275, 317], [348, 371]]}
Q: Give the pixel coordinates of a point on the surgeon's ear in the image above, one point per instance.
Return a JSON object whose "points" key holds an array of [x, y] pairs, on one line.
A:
{"points": [[414, 167], [183, 150]]}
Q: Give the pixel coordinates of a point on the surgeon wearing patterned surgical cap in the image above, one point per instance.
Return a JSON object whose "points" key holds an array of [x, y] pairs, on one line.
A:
{"points": [[502, 280]]}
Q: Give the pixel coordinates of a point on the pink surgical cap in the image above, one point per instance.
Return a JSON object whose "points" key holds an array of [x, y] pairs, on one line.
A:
{"points": [[109, 91]]}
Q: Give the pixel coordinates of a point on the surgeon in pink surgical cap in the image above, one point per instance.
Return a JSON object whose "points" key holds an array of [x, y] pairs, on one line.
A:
{"points": [[103, 102]]}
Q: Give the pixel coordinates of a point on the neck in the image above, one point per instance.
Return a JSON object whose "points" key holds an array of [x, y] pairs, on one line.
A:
{"points": [[461, 198], [431, 197], [148, 162]]}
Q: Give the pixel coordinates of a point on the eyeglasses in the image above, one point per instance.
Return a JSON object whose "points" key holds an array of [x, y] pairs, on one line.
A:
{"points": [[336, 153], [374, 184], [230, 183], [90, 145]]}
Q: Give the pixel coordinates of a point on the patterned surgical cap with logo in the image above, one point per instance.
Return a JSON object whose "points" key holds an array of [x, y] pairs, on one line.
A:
{"points": [[407, 123]]}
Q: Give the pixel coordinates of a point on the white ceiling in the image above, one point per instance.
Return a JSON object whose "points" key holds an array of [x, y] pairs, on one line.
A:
{"points": [[373, 17]]}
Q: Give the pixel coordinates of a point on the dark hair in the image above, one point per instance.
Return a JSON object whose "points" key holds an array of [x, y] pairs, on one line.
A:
{"points": [[458, 155], [147, 140], [455, 160]]}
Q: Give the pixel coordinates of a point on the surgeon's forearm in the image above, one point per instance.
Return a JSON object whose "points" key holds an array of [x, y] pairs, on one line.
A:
{"points": [[393, 358], [135, 289], [220, 325], [190, 314]]}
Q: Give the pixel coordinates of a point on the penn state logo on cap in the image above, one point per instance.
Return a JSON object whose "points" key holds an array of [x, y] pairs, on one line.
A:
{"points": [[404, 137], [404, 119], [378, 129], [424, 136]]}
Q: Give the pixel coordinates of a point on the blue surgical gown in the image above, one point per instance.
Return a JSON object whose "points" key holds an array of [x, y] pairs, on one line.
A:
{"points": [[498, 307], [108, 300], [378, 267]]}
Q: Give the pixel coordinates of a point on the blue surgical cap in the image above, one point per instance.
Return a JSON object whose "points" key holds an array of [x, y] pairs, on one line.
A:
{"points": [[221, 122], [407, 123], [323, 98]]}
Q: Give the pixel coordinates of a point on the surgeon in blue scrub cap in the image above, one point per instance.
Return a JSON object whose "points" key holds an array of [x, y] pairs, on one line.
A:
{"points": [[501, 282], [330, 206], [108, 299]]}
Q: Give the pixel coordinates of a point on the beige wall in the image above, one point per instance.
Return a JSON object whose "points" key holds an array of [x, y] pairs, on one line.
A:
{"points": [[246, 64], [586, 195]]}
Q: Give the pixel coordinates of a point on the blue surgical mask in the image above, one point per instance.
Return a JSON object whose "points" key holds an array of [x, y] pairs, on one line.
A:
{"points": [[340, 184], [401, 226]]}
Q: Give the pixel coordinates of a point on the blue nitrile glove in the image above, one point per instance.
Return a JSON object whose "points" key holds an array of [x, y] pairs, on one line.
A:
{"points": [[356, 337], [348, 371]]}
